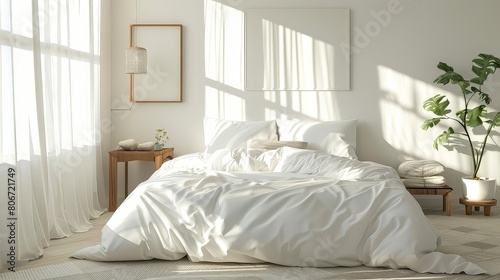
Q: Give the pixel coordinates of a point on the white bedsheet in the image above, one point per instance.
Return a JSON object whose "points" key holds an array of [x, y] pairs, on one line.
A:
{"points": [[301, 208]]}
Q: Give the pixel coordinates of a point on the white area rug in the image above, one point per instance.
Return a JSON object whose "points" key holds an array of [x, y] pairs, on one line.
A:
{"points": [[183, 269]]}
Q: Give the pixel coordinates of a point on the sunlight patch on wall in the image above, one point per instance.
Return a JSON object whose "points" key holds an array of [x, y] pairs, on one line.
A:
{"points": [[271, 114], [289, 58], [309, 104], [328, 107], [293, 60], [402, 115], [224, 37], [285, 54], [283, 99], [223, 105], [273, 98]]}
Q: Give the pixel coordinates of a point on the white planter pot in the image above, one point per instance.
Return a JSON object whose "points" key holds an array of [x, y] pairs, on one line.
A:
{"points": [[483, 189]]}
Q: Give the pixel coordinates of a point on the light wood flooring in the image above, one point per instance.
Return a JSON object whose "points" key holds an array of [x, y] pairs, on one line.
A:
{"points": [[60, 249]]}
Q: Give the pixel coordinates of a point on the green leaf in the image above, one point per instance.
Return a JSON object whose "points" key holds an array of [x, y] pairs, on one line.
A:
{"points": [[476, 80], [445, 67], [437, 105], [476, 69], [495, 121], [443, 138], [475, 89], [461, 115], [447, 77], [464, 86], [484, 97], [430, 123], [484, 66], [474, 116]]}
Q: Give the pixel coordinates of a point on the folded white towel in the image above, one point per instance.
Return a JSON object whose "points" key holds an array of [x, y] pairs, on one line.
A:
{"points": [[265, 144], [420, 168], [432, 181], [255, 147]]}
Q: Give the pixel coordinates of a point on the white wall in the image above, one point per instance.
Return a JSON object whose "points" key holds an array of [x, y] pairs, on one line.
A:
{"points": [[396, 47]]}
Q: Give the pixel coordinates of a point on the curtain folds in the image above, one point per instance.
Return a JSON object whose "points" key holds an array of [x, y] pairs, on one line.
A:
{"points": [[49, 118]]}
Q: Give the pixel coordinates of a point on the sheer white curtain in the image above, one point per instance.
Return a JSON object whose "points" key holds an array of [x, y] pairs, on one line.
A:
{"points": [[49, 120]]}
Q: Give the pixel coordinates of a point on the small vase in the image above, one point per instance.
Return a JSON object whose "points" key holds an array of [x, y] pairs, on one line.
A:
{"points": [[158, 147], [483, 189]]}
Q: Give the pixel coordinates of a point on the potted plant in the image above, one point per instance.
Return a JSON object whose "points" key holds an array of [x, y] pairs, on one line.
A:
{"points": [[161, 138], [467, 119]]}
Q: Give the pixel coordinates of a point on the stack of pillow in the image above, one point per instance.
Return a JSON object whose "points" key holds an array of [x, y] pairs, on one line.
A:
{"points": [[334, 137], [422, 173]]}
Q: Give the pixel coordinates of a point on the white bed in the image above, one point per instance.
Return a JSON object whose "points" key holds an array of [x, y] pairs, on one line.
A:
{"points": [[286, 205]]}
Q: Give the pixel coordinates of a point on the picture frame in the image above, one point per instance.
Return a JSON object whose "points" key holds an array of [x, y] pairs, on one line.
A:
{"points": [[163, 81]]}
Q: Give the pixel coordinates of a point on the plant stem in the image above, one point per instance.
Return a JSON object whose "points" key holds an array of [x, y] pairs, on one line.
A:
{"points": [[481, 152], [475, 165]]}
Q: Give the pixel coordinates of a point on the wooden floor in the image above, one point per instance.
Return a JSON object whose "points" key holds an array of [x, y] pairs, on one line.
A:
{"points": [[60, 249]]}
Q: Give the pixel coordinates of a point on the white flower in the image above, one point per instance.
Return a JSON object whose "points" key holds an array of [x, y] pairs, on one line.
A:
{"points": [[161, 136]]}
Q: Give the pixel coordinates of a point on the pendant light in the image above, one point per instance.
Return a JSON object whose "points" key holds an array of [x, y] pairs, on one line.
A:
{"points": [[136, 58]]}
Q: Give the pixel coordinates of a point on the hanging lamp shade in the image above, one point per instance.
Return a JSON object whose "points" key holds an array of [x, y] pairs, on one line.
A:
{"points": [[136, 60]]}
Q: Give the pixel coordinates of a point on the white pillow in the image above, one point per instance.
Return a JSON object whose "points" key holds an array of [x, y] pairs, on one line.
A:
{"points": [[333, 137], [221, 134]]}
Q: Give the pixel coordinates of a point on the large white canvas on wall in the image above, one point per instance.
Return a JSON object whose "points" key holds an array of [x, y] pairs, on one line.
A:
{"points": [[297, 49]]}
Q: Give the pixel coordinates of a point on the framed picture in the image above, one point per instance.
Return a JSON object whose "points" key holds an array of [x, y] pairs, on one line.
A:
{"points": [[283, 53], [163, 81]]}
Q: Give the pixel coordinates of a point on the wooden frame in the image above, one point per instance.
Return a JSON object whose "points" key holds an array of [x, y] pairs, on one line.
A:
{"points": [[163, 82]]}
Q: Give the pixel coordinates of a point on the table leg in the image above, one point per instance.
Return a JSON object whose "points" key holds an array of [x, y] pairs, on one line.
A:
{"points": [[468, 210], [158, 161], [113, 161], [448, 203], [487, 210], [126, 179]]}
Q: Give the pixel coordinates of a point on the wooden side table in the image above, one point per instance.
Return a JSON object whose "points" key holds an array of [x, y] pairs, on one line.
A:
{"points": [[116, 156], [444, 191]]}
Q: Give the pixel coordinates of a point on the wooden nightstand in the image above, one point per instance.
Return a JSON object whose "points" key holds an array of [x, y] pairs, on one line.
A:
{"points": [[444, 191], [125, 156]]}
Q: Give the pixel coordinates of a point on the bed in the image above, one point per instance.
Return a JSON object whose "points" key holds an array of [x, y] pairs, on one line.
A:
{"points": [[286, 192]]}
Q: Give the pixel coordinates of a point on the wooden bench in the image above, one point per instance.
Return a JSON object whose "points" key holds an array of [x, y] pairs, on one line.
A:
{"points": [[444, 191]]}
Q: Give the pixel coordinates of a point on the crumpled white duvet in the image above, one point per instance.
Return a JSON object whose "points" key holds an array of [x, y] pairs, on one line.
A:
{"points": [[288, 206]]}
